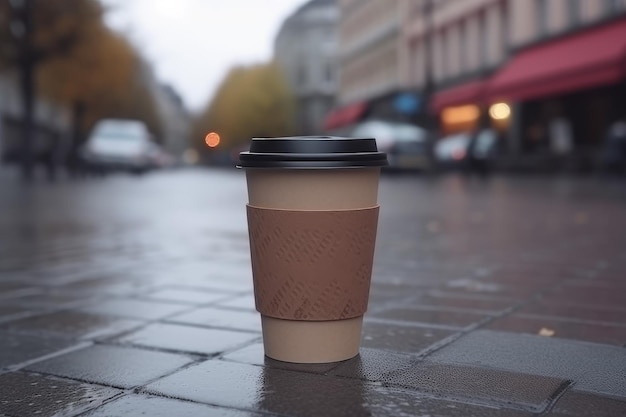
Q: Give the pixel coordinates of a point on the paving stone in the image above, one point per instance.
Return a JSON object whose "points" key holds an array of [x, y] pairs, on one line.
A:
{"points": [[580, 404], [73, 324], [133, 308], [113, 284], [410, 339], [594, 368], [23, 394], [9, 289], [573, 311], [50, 300], [373, 365], [215, 317], [112, 365], [186, 296], [190, 339], [303, 394], [588, 295], [483, 304], [255, 355], [563, 328], [431, 316], [244, 302], [18, 348], [133, 405], [8, 312], [528, 392], [473, 286]]}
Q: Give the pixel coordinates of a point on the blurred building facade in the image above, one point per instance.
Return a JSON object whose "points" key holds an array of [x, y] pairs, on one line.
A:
{"points": [[549, 74], [373, 70], [305, 49], [175, 118], [540, 61]]}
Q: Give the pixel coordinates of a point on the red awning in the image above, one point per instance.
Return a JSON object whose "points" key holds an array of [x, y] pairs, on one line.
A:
{"points": [[583, 60], [471, 92], [344, 115]]}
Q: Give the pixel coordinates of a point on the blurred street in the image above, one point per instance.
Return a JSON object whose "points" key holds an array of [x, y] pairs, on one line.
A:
{"points": [[497, 296]]}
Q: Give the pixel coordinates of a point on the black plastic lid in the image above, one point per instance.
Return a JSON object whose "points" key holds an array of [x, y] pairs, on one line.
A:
{"points": [[312, 152]]}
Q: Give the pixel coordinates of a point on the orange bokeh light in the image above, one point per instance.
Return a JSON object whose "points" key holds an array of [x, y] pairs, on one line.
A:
{"points": [[212, 139]]}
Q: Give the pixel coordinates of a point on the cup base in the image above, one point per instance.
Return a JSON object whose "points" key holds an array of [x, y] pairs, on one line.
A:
{"points": [[311, 341]]}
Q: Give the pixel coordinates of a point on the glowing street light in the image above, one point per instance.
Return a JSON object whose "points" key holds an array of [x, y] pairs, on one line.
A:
{"points": [[500, 111], [212, 139]]}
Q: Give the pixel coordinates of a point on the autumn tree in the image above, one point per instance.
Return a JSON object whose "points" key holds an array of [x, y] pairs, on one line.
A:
{"points": [[102, 77], [32, 32], [251, 101]]}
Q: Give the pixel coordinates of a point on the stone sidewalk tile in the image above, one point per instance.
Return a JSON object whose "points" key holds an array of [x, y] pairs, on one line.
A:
{"points": [[185, 296], [588, 296], [595, 368], [401, 338], [475, 286], [580, 404], [11, 312], [134, 308], [18, 348], [73, 324], [255, 355], [189, 339], [117, 284], [215, 317], [456, 302], [433, 315], [305, 394], [563, 328], [52, 300], [10, 289], [242, 302], [373, 365], [25, 394], [609, 315], [151, 406], [487, 386], [115, 366]]}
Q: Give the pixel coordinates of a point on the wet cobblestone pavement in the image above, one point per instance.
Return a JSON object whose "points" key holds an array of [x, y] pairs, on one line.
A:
{"points": [[132, 296]]}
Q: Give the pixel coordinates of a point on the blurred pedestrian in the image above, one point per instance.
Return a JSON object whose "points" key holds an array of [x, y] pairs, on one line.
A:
{"points": [[561, 140], [614, 152]]}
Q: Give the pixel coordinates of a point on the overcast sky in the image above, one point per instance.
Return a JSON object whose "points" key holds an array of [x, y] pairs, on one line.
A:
{"points": [[193, 43]]}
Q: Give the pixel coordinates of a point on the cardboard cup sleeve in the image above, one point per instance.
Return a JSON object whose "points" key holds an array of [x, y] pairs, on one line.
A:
{"points": [[312, 265]]}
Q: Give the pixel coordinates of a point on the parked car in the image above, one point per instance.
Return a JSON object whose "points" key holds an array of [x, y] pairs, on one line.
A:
{"points": [[119, 145], [407, 146], [159, 157]]}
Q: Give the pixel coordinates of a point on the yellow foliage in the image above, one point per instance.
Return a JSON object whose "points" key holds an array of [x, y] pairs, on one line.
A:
{"points": [[80, 62], [252, 101]]}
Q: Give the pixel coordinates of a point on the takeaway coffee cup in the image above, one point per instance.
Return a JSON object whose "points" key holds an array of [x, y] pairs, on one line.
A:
{"points": [[312, 218]]}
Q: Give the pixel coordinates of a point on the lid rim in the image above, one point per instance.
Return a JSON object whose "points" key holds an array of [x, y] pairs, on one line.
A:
{"points": [[312, 152]]}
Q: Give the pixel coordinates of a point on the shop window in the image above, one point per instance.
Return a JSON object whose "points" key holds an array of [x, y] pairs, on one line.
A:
{"points": [[613, 6], [574, 12], [463, 45], [542, 17], [505, 38], [483, 40]]}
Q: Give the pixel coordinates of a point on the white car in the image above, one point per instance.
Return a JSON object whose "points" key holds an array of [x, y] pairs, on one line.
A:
{"points": [[407, 146], [119, 145]]}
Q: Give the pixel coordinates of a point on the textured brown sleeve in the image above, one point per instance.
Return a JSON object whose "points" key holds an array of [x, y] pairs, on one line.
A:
{"points": [[312, 265]]}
